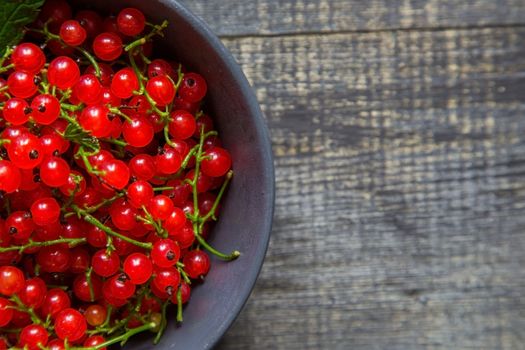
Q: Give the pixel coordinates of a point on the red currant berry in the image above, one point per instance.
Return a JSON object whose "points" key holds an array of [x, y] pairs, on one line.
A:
{"points": [[56, 344], [123, 215], [159, 67], [138, 132], [63, 72], [70, 324], [138, 267], [53, 144], [79, 260], [75, 184], [106, 73], [161, 90], [55, 301], [175, 221], [33, 337], [107, 46], [93, 341], [21, 84], [105, 264], [95, 120], [196, 263], [83, 288], [23, 151], [33, 293], [168, 161], [217, 162], [6, 312], [16, 111], [131, 21], [28, 57], [90, 21], [95, 315], [46, 109], [185, 236], [45, 211], [116, 173], [124, 82], [139, 193], [54, 171], [142, 167], [10, 176], [72, 33], [182, 125], [88, 89], [167, 279], [120, 286], [53, 259], [165, 253], [20, 225], [193, 87], [11, 280], [160, 207]]}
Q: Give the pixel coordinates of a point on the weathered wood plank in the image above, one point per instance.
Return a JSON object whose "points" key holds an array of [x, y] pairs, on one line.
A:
{"points": [[240, 17], [400, 194]]}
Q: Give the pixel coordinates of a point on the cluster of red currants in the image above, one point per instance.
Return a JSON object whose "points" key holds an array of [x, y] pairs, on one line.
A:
{"points": [[110, 178]]}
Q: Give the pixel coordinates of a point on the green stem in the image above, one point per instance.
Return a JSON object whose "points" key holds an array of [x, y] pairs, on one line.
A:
{"points": [[211, 213], [117, 111], [6, 68], [22, 307], [163, 322], [179, 305], [157, 30], [32, 244], [93, 221], [232, 256], [122, 337]]}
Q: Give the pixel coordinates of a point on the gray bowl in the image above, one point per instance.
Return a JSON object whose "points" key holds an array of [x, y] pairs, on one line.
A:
{"points": [[247, 210]]}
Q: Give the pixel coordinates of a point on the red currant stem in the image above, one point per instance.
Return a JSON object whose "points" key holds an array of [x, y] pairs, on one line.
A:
{"points": [[20, 306], [116, 111], [93, 221], [70, 107], [6, 68], [163, 322], [167, 136], [157, 30], [232, 256], [91, 60], [122, 337], [33, 244], [86, 162], [144, 58], [149, 220], [90, 284], [165, 188], [4, 88], [94, 208], [211, 213], [179, 305], [196, 174], [183, 273], [117, 142], [142, 91]]}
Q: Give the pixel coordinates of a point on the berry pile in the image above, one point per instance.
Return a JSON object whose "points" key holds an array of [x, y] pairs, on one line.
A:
{"points": [[111, 176]]}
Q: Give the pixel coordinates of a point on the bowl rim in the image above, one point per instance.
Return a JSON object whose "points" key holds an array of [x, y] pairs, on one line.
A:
{"points": [[262, 131]]}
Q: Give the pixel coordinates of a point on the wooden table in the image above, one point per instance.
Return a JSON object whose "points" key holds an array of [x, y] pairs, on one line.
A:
{"points": [[398, 128]]}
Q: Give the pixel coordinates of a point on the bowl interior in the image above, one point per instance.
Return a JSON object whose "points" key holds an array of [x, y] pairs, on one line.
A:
{"points": [[247, 209]]}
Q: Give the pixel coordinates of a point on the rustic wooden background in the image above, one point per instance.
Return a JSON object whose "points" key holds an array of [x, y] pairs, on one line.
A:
{"points": [[398, 129]]}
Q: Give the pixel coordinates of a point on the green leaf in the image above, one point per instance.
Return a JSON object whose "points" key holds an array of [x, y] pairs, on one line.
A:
{"points": [[14, 16]]}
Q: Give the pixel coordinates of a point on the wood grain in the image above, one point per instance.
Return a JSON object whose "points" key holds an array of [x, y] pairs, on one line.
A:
{"points": [[277, 17], [400, 159], [398, 129]]}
